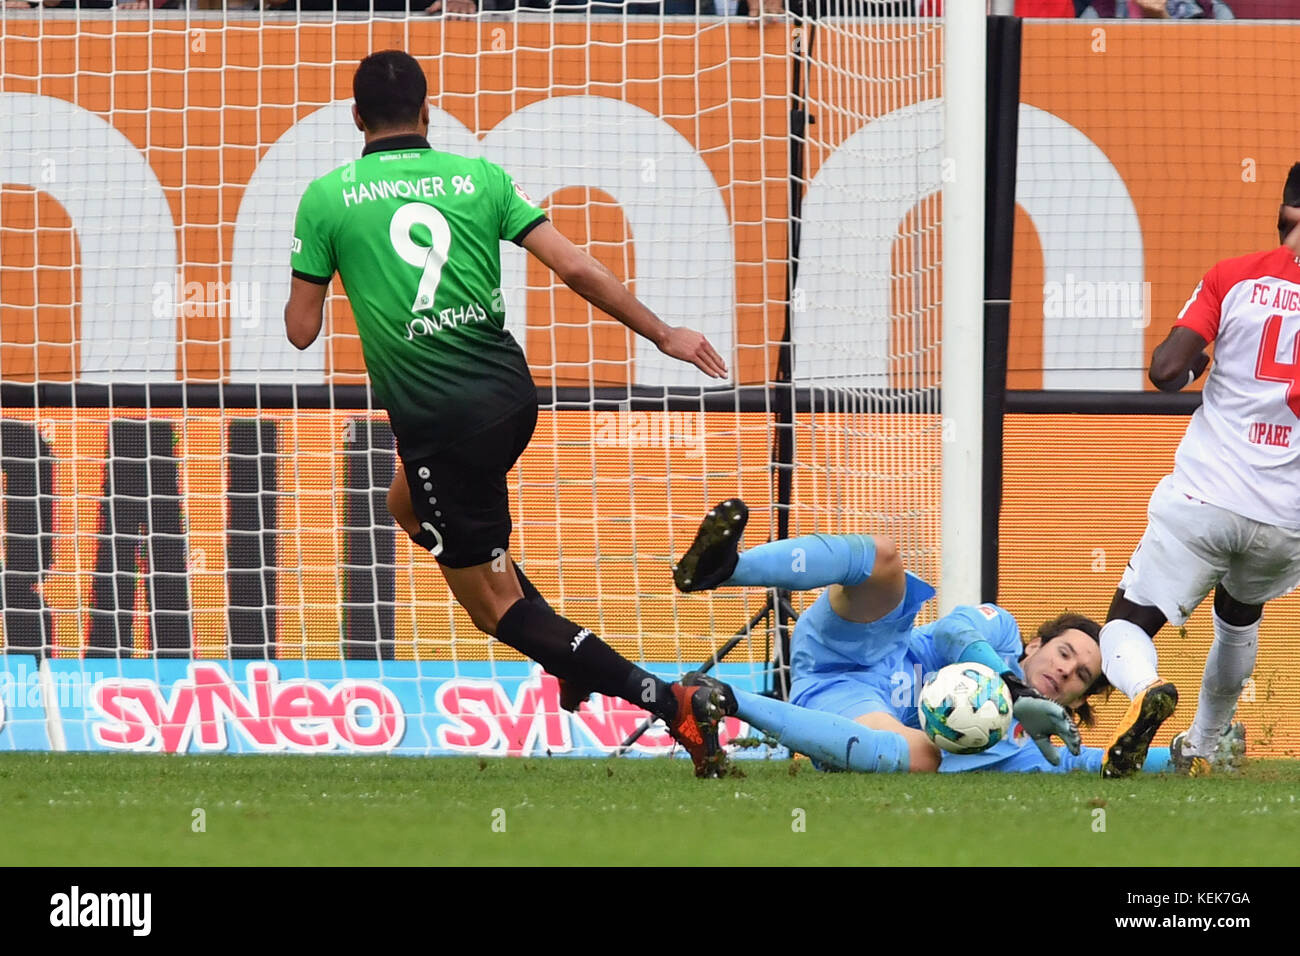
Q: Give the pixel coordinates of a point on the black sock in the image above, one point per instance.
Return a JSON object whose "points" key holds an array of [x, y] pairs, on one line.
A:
{"points": [[575, 654], [578, 691], [619, 677]]}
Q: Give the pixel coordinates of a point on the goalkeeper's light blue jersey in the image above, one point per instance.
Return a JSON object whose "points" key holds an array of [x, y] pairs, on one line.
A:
{"points": [[1015, 753], [850, 668], [990, 623]]}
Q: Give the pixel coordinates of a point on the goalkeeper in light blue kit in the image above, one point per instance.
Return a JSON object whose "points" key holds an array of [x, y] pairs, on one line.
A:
{"points": [[856, 658]]}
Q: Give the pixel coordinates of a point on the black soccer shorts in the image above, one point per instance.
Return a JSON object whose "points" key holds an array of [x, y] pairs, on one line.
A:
{"points": [[460, 493]]}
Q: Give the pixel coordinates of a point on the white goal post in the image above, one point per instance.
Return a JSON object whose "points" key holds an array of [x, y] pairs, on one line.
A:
{"points": [[965, 53]]}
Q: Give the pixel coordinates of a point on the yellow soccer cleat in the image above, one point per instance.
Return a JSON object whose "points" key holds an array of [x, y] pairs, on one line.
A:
{"points": [[1127, 751]]}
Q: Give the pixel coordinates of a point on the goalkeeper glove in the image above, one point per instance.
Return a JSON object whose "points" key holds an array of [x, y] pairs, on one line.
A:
{"points": [[1042, 719]]}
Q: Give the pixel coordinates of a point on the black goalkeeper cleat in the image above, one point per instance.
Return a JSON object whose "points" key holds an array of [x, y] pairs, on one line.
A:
{"points": [[1128, 748], [726, 697], [715, 552]]}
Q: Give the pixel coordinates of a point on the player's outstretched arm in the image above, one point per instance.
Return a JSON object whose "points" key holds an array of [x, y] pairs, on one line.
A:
{"points": [[1179, 360], [967, 634], [303, 313], [591, 280]]}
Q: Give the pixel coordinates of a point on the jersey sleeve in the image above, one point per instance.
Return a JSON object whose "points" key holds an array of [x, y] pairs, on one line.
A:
{"points": [[518, 214], [1204, 309], [1012, 756], [987, 622], [1089, 760], [312, 257]]}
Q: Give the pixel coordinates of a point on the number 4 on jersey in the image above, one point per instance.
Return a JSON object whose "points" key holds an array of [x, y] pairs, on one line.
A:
{"points": [[1269, 369]]}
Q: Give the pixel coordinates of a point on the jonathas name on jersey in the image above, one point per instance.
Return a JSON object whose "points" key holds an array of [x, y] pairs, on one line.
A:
{"points": [[446, 319]]}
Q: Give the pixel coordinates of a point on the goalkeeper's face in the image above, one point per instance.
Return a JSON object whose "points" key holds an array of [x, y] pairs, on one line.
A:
{"points": [[1063, 668]]}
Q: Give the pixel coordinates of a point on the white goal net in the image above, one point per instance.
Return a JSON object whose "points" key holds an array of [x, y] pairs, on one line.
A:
{"points": [[197, 553]]}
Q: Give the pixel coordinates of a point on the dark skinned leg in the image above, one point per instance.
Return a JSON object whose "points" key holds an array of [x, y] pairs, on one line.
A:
{"points": [[1127, 749], [1234, 612], [1150, 619]]}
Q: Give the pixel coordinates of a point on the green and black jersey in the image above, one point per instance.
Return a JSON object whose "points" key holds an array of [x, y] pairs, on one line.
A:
{"points": [[415, 236]]}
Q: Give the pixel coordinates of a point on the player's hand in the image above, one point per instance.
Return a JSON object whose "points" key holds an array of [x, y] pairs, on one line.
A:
{"points": [[453, 8], [1044, 719], [691, 346]]}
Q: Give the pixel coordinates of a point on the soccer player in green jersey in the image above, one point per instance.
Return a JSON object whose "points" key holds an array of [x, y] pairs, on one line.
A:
{"points": [[414, 235]]}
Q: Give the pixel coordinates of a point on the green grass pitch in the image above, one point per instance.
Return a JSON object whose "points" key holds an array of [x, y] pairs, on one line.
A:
{"points": [[102, 809]]}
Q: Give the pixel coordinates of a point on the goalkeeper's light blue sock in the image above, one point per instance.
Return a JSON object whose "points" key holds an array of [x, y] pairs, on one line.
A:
{"points": [[828, 738], [807, 562], [1158, 760]]}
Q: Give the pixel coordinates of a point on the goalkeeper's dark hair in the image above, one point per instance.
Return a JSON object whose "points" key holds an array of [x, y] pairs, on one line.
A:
{"points": [[390, 88], [1055, 628]]}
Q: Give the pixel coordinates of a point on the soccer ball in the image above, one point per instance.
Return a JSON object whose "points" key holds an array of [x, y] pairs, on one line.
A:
{"points": [[965, 708]]}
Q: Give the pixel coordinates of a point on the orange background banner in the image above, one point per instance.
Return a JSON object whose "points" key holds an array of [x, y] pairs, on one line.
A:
{"points": [[1200, 129], [603, 503], [209, 99], [1195, 125], [218, 96]]}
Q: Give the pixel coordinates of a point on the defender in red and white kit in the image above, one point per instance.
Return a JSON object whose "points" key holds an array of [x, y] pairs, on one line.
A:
{"points": [[1228, 518]]}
